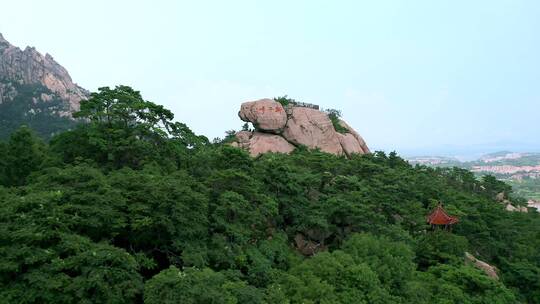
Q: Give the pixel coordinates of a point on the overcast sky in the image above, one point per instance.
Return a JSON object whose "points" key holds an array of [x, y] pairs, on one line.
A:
{"points": [[418, 77]]}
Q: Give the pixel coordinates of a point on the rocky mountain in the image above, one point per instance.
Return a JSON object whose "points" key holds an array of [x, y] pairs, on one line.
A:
{"points": [[280, 128], [35, 90]]}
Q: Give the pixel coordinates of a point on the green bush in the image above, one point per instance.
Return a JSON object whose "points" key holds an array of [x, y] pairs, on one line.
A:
{"points": [[284, 100], [335, 116]]}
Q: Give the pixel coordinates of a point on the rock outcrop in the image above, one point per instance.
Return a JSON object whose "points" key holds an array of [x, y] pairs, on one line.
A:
{"points": [[313, 129], [282, 128], [257, 143], [355, 134], [349, 144], [512, 208], [29, 67], [265, 114], [490, 271]]}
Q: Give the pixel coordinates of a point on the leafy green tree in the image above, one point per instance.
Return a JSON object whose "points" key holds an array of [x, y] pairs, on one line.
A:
{"points": [[284, 100], [197, 286], [392, 261], [166, 216], [83, 200], [332, 278], [3, 164], [493, 186], [126, 130], [335, 116], [25, 154], [440, 247], [44, 263], [469, 285], [526, 276]]}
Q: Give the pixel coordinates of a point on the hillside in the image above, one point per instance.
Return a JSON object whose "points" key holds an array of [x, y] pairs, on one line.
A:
{"points": [[520, 170], [35, 91], [132, 207]]}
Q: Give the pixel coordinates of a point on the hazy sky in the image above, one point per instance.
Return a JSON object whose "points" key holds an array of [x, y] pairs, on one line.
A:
{"points": [[412, 76]]}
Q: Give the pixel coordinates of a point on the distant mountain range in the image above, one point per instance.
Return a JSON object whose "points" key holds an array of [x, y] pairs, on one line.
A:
{"points": [[36, 91]]}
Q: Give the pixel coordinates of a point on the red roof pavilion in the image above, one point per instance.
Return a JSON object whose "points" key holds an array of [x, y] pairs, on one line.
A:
{"points": [[440, 217]]}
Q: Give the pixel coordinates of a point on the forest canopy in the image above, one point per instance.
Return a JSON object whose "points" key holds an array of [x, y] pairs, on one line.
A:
{"points": [[132, 207]]}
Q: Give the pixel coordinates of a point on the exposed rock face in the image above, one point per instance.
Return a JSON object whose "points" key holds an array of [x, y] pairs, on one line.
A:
{"points": [[307, 247], [349, 144], [359, 138], [257, 143], [265, 114], [490, 271], [243, 139], [263, 143], [512, 208], [29, 67], [292, 126], [312, 128]]}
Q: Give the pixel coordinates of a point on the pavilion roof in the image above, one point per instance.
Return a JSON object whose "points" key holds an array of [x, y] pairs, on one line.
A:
{"points": [[439, 217]]}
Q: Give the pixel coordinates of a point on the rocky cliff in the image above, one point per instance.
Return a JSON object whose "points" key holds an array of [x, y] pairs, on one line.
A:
{"points": [[281, 129], [35, 90]]}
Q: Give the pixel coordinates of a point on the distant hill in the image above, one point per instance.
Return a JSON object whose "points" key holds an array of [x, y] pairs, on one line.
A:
{"points": [[36, 91], [521, 170]]}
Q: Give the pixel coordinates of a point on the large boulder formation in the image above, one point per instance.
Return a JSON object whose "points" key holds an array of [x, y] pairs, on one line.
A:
{"points": [[242, 140], [257, 143], [264, 142], [357, 136], [349, 144], [265, 114], [313, 129], [281, 129]]}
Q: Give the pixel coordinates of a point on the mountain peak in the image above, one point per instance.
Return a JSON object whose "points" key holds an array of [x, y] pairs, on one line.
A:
{"points": [[35, 90], [30, 67], [4, 44]]}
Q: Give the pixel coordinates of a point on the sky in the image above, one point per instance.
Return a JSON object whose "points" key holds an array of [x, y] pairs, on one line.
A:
{"points": [[417, 77]]}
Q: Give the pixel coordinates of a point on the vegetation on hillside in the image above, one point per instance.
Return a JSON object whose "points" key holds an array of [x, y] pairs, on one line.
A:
{"points": [[132, 207], [285, 100], [335, 116], [525, 182], [42, 116]]}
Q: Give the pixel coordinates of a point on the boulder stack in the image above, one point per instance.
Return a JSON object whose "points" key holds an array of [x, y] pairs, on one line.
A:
{"points": [[281, 129]]}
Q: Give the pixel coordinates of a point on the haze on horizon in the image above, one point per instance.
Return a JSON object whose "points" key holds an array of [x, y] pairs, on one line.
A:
{"points": [[418, 77]]}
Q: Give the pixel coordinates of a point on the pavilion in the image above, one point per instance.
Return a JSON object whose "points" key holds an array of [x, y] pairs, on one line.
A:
{"points": [[439, 218]]}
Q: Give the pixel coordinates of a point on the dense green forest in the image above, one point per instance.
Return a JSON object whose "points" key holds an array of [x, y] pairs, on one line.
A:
{"points": [[131, 207]]}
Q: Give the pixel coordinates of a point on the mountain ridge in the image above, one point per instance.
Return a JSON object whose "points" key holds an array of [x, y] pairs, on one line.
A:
{"points": [[35, 90]]}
